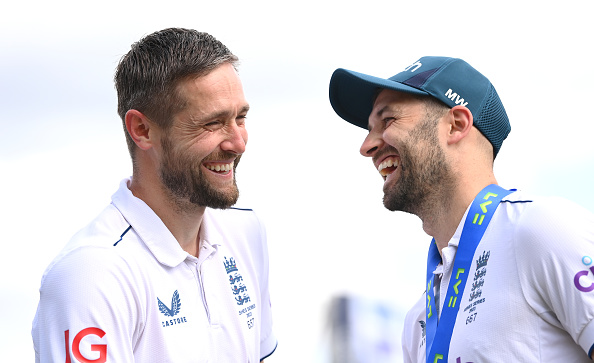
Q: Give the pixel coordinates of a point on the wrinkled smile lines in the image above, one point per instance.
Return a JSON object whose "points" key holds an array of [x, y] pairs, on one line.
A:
{"points": [[388, 165]]}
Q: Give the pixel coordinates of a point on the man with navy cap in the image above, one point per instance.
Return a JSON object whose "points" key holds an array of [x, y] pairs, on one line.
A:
{"points": [[510, 276]]}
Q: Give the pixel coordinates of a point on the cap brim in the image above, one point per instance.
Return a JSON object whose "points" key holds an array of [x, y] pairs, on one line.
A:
{"points": [[352, 94]]}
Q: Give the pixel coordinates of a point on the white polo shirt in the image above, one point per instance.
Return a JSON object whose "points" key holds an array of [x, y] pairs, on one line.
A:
{"points": [[529, 296], [123, 290]]}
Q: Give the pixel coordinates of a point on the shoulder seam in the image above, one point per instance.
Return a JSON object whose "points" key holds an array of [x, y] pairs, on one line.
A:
{"points": [[516, 201], [122, 235], [243, 209]]}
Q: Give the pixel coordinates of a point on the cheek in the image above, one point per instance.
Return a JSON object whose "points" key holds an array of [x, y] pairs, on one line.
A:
{"points": [[391, 138]]}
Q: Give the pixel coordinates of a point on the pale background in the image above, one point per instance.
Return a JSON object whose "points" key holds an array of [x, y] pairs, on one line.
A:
{"points": [[62, 150]]}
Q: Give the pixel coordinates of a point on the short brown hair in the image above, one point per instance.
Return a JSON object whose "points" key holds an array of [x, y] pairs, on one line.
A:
{"points": [[147, 76]]}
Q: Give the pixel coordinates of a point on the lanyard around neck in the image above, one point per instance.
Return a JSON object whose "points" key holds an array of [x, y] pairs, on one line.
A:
{"points": [[439, 335]]}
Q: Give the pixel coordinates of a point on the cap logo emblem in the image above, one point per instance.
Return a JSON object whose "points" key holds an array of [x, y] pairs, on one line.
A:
{"points": [[455, 97], [416, 66]]}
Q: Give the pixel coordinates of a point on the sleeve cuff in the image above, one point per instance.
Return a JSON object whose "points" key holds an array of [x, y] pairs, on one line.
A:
{"points": [[586, 339], [268, 346]]}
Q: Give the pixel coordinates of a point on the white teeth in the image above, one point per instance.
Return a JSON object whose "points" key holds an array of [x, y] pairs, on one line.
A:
{"points": [[220, 167], [387, 163]]}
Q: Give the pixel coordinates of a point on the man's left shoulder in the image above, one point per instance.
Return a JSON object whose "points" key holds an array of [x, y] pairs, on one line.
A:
{"points": [[540, 223], [538, 209], [240, 218]]}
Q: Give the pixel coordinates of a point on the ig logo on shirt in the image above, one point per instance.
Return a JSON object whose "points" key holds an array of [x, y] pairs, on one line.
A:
{"points": [[76, 343], [586, 260]]}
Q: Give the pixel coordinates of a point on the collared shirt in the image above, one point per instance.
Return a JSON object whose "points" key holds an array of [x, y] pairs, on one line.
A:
{"points": [[123, 290], [529, 296]]}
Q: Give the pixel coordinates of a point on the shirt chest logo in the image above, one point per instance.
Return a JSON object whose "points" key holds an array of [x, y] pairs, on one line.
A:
{"points": [[477, 285], [175, 305], [239, 290], [172, 311]]}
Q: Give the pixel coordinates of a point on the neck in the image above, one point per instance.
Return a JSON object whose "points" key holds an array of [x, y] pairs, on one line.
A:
{"points": [[182, 218], [442, 220]]}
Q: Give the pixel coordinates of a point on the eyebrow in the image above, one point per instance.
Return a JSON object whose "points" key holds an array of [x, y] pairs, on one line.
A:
{"points": [[245, 109], [381, 111]]}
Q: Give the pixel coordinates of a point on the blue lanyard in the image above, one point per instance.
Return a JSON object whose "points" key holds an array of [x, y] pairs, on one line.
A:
{"points": [[438, 336]]}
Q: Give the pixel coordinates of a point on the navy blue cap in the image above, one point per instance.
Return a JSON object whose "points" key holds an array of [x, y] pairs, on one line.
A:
{"points": [[450, 80]]}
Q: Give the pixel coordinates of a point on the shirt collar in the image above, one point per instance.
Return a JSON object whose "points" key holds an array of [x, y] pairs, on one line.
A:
{"points": [[449, 252], [455, 240], [148, 226], [210, 229]]}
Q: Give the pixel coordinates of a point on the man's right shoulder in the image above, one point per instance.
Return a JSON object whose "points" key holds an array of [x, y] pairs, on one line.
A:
{"points": [[95, 243]]}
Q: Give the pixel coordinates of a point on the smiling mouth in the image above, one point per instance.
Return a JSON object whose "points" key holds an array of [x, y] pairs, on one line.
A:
{"points": [[220, 167], [388, 166]]}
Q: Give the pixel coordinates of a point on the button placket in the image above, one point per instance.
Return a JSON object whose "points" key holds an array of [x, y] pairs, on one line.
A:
{"points": [[205, 255]]}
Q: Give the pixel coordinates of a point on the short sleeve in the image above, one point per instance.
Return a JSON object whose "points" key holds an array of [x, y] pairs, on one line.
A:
{"points": [[86, 309]]}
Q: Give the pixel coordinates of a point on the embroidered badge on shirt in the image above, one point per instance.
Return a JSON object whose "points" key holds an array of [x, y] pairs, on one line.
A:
{"points": [[477, 284], [239, 290], [172, 311]]}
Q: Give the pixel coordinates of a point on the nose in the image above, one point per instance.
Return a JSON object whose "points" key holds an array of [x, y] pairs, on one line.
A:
{"points": [[236, 139], [371, 144]]}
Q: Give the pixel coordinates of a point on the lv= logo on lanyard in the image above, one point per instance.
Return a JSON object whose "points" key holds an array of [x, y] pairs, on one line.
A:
{"points": [[479, 215]]}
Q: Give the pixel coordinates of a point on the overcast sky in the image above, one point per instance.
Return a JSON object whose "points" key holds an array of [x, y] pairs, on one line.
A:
{"points": [[62, 149]]}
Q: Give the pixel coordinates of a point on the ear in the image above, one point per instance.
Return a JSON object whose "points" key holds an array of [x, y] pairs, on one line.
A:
{"points": [[139, 128], [460, 124]]}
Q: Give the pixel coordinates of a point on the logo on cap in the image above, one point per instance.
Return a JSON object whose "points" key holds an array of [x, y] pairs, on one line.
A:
{"points": [[455, 97], [416, 64]]}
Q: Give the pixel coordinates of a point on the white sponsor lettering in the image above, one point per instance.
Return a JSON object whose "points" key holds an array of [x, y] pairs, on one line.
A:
{"points": [[416, 66], [455, 97]]}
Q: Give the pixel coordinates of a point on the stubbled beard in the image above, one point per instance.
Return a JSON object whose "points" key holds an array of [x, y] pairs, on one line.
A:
{"points": [[183, 178], [425, 176]]}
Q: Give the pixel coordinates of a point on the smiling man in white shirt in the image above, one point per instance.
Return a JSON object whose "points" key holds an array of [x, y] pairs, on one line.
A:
{"points": [[509, 274], [168, 272]]}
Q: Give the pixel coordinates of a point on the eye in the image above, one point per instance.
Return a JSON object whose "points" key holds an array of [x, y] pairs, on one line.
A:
{"points": [[388, 120], [240, 120], [213, 125]]}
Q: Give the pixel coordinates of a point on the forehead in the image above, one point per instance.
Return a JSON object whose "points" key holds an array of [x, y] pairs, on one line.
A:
{"points": [[221, 87]]}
